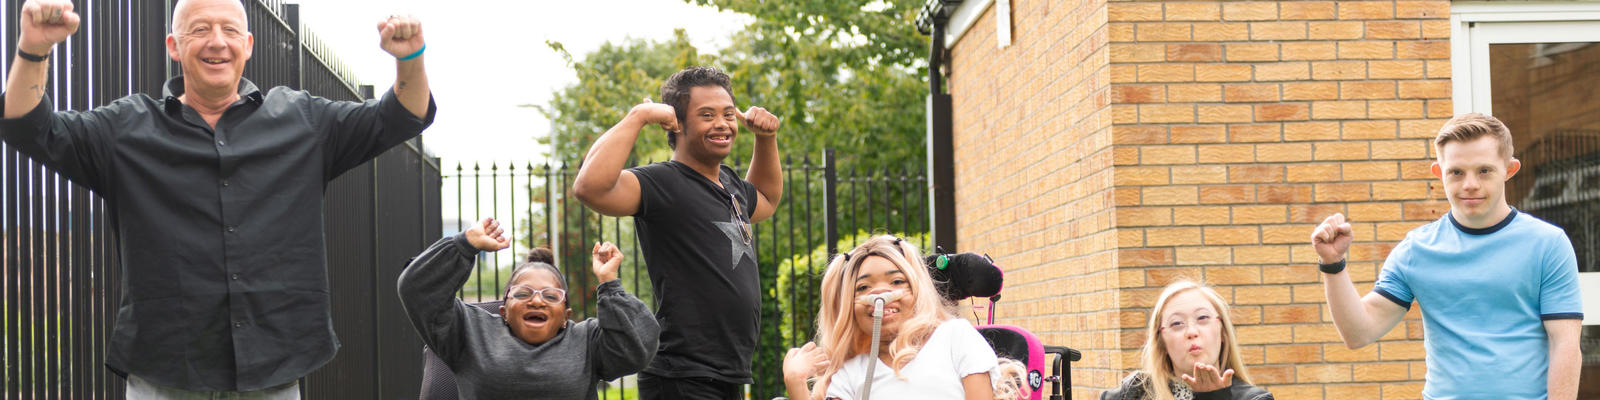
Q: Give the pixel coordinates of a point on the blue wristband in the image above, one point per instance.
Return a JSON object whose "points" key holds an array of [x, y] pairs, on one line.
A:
{"points": [[416, 54]]}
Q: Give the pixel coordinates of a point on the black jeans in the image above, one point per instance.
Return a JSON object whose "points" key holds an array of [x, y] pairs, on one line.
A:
{"points": [[656, 387]]}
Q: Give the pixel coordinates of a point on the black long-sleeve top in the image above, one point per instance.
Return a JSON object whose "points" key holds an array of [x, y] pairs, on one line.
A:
{"points": [[490, 363], [220, 228]]}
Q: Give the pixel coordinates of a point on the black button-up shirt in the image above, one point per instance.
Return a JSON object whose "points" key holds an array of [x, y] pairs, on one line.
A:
{"points": [[224, 267]]}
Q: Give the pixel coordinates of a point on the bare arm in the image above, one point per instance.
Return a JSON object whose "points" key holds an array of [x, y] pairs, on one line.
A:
{"points": [[766, 172], [977, 386], [1360, 320], [43, 24], [1566, 361], [602, 184], [402, 38]]}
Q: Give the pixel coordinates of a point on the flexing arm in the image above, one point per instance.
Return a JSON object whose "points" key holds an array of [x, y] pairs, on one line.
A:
{"points": [[1566, 361], [601, 184], [43, 24], [628, 334], [427, 286], [766, 173], [402, 38], [1359, 320]]}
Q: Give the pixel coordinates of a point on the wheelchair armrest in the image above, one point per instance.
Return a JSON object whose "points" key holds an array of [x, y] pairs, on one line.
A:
{"points": [[1067, 352], [1064, 356]]}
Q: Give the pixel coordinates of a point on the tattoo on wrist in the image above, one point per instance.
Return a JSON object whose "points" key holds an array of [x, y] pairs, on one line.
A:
{"points": [[398, 87], [38, 91]]}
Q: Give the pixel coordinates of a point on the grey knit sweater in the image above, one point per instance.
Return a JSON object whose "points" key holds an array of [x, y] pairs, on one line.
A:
{"points": [[490, 363]]}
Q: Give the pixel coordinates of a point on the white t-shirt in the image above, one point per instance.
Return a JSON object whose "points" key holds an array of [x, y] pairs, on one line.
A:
{"points": [[954, 351]]}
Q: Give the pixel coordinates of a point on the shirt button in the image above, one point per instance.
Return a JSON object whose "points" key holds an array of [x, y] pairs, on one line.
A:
{"points": [[230, 229], [222, 143], [224, 182], [235, 277], [238, 324]]}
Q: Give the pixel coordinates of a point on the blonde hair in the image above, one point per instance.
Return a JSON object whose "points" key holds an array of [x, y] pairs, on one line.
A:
{"points": [[836, 330], [1157, 366], [1471, 126]]}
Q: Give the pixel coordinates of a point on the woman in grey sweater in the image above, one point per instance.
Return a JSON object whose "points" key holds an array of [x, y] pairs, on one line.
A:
{"points": [[530, 350]]}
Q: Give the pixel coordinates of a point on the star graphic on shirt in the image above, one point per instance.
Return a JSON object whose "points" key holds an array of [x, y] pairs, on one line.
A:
{"points": [[735, 232]]}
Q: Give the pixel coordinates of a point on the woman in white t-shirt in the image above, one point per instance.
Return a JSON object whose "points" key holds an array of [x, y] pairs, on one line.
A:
{"points": [[924, 352]]}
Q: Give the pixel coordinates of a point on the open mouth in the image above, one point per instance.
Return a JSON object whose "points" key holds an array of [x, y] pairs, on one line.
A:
{"points": [[215, 61], [720, 138], [535, 317]]}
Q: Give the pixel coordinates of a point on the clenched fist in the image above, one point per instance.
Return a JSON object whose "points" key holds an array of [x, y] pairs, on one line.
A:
{"points": [[1332, 239], [400, 35], [607, 258], [759, 121], [657, 113], [45, 23]]}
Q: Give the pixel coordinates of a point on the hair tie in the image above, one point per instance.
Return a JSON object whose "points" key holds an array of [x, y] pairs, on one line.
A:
{"points": [[846, 256], [897, 242]]}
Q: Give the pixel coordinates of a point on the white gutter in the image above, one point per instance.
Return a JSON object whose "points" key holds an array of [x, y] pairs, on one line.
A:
{"points": [[965, 16]]}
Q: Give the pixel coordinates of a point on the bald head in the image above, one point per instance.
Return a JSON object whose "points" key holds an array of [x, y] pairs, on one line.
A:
{"points": [[180, 12]]}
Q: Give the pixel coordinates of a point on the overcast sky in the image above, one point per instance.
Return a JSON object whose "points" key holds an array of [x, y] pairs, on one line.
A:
{"points": [[486, 57]]}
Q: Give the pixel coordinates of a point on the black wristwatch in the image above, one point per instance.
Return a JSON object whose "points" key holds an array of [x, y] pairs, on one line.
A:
{"points": [[1331, 269], [33, 57]]}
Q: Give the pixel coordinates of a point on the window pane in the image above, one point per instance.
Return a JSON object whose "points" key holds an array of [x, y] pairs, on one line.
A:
{"points": [[1548, 94]]}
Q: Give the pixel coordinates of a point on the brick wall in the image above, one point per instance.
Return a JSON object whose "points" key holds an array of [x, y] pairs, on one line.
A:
{"points": [[1117, 146], [1033, 172]]}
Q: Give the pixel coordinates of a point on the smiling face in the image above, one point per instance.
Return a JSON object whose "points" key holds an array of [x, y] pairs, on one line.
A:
{"points": [[212, 41], [535, 320], [710, 124], [1475, 174], [879, 275], [1191, 331]]}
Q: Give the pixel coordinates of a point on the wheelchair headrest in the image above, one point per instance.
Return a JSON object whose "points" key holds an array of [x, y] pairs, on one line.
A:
{"points": [[962, 275]]}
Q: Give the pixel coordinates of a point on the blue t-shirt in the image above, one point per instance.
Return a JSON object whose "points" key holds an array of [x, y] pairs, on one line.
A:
{"points": [[1485, 294]]}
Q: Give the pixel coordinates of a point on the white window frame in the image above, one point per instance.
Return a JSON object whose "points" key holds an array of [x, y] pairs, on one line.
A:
{"points": [[1474, 25]]}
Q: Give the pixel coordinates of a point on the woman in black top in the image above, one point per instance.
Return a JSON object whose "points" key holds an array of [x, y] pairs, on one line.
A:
{"points": [[1190, 351]]}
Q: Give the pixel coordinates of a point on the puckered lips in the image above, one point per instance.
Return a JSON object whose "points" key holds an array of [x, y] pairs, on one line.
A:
{"points": [[1196, 349]]}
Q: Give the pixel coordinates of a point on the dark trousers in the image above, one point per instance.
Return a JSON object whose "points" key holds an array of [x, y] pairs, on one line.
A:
{"points": [[656, 387]]}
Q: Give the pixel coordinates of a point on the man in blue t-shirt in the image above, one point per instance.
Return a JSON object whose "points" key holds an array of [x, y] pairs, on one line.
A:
{"points": [[1499, 288]]}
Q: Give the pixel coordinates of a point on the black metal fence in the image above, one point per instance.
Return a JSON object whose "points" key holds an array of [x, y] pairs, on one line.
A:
{"points": [[822, 211], [61, 278]]}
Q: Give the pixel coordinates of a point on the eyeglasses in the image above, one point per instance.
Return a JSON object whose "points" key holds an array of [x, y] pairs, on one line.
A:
{"points": [[549, 295], [738, 218], [1182, 324]]}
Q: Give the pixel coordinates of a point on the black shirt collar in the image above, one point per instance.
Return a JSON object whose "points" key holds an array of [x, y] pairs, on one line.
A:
{"points": [[1485, 230], [174, 88]]}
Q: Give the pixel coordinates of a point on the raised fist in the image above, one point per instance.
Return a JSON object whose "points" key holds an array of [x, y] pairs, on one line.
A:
{"points": [[607, 258], [1332, 239], [45, 23], [400, 35], [759, 121]]}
